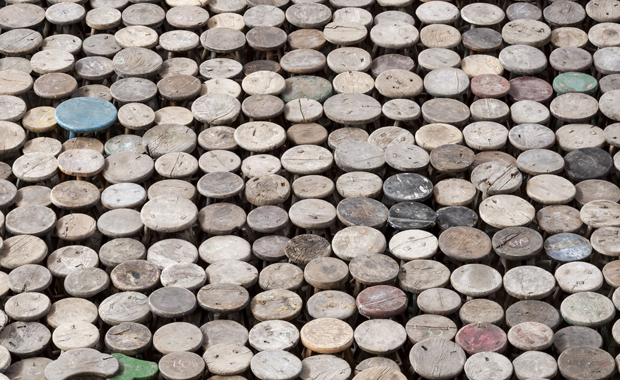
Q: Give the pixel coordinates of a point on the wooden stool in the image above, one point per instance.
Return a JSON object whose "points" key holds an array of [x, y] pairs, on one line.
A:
{"points": [[176, 337], [137, 36], [432, 136], [576, 363], [29, 278], [306, 39], [572, 336], [447, 111], [223, 331], [327, 336], [524, 59], [579, 277], [172, 251], [419, 275], [576, 308], [529, 283], [127, 167], [476, 280], [530, 336], [481, 310], [333, 365], [359, 156], [437, 358], [281, 276], [262, 362], [539, 189], [393, 334], [71, 310], [133, 90], [394, 35], [172, 302], [222, 41], [154, 140], [331, 304], [26, 307], [481, 337], [569, 59], [533, 364], [174, 187], [574, 107], [602, 241], [559, 219], [184, 275], [520, 135], [451, 159], [454, 216], [267, 306], [22, 249], [392, 62], [86, 282], [530, 88], [314, 186], [437, 13], [193, 370], [489, 110], [599, 166], [540, 161], [224, 247], [428, 301], [556, 249], [298, 15], [168, 214], [124, 143], [307, 86]]}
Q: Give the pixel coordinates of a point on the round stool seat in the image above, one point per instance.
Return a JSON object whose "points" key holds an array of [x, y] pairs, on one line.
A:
{"points": [[407, 187], [476, 280], [406, 157], [232, 272], [489, 85], [427, 326], [136, 36], [496, 177], [334, 366], [21, 250], [312, 214], [454, 192], [529, 283], [124, 143], [437, 351], [35, 167], [603, 241], [30, 220], [172, 251], [411, 215], [298, 15], [349, 212], [446, 82], [572, 336], [481, 337], [224, 247], [306, 39], [144, 14], [169, 214], [539, 189], [451, 158], [502, 211], [381, 301], [557, 249], [481, 310], [419, 275], [570, 59], [29, 278], [574, 107], [331, 304], [465, 244], [413, 244], [530, 336], [135, 275], [394, 35], [359, 156], [574, 82], [120, 223], [267, 219], [353, 241], [307, 86], [523, 59], [569, 37], [530, 88], [65, 260], [136, 62], [579, 277], [281, 276], [127, 167], [482, 40], [448, 111], [588, 309], [220, 185], [453, 216], [485, 135], [540, 161], [86, 282], [326, 335], [313, 186], [128, 338], [168, 138], [576, 136], [85, 115], [267, 306], [179, 87], [304, 248], [439, 301], [172, 302], [177, 336], [81, 162], [579, 168], [303, 61], [577, 363], [520, 136], [532, 311], [180, 188], [437, 13], [75, 195], [367, 332], [564, 14], [559, 219], [268, 189], [391, 62], [133, 90]]}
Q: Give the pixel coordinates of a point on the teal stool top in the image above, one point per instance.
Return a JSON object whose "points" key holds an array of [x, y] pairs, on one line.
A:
{"points": [[575, 82], [134, 369], [85, 115], [307, 86]]}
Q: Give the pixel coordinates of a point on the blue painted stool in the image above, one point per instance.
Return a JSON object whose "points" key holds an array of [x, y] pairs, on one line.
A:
{"points": [[85, 115]]}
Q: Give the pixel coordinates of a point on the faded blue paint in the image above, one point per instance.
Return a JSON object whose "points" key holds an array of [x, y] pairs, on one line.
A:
{"points": [[85, 115]]}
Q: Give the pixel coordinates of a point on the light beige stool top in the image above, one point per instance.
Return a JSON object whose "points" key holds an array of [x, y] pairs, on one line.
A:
{"points": [[413, 245], [40, 120], [437, 358], [353, 14], [530, 336], [353, 241], [312, 186], [440, 36], [419, 275], [326, 335], [454, 192], [604, 240], [263, 83], [503, 211], [260, 165], [267, 306], [359, 184], [353, 82], [479, 64], [476, 280], [482, 14], [529, 283], [485, 135], [531, 136], [304, 111], [394, 35], [380, 336], [549, 189], [446, 82], [432, 136], [345, 33], [259, 137], [436, 58], [523, 59], [437, 13], [496, 177], [579, 277], [398, 83], [526, 32], [35, 167], [137, 36], [574, 107], [535, 364], [600, 213], [312, 214], [529, 112]]}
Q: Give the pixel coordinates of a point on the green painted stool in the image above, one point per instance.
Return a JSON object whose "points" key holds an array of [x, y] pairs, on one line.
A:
{"points": [[307, 86], [134, 369], [575, 82]]}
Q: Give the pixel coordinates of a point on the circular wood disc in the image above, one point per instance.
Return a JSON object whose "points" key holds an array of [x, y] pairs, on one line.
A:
{"points": [[419, 275], [277, 304], [476, 280], [586, 363], [587, 309], [71, 310], [481, 337], [481, 310], [128, 338], [579, 277], [436, 357], [572, 336], [465, 244], [326, 335], [177, 336]]}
